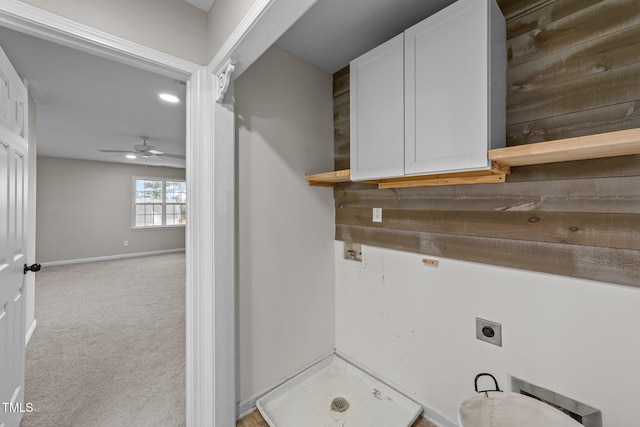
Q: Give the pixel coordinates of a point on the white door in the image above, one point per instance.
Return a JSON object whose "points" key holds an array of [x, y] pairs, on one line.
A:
{"points": [[13, 197]]}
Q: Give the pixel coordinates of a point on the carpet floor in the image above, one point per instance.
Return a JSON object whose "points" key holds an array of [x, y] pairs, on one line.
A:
{"points": [[109, 348]]}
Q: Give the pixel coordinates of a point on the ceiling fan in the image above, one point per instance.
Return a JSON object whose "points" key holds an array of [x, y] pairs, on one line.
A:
{"points": [[145, 151]]}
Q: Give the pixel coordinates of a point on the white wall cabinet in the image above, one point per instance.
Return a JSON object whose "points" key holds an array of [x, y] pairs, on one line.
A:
{"points": [[377, 112], [431, 100]]}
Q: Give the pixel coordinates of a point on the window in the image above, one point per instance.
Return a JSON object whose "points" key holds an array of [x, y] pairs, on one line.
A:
{"points": [[159, 202]]}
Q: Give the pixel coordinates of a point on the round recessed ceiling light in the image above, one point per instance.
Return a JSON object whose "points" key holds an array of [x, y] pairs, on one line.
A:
{"points": [[131, 156], [167, 97]]}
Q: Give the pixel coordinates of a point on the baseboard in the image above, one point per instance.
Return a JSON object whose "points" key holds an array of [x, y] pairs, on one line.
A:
{"points": [[430, 414], [27, 338], [247, 406], [110, 257]]}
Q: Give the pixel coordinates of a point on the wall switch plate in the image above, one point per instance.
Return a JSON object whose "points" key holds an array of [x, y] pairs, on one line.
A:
{"points": [[489, 331], [126, 243], [377, 214]]}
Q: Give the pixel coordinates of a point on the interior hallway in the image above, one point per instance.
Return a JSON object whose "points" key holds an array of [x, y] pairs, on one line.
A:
{"points": [[109, 347]]}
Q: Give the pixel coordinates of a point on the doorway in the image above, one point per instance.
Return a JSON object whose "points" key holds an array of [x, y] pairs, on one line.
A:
{"points": [[76, 175]]}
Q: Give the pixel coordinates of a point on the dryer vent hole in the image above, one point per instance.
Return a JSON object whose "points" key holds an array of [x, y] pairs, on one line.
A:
{"points": [[339, 404]]}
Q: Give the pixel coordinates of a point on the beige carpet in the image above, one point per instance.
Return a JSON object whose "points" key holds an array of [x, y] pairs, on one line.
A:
{"points": [[109, 348]]}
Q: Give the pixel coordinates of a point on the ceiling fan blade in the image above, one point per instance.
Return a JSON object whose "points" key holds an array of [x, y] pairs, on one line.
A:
{"points": [[154, 151], [117, 151], [173, 156]]}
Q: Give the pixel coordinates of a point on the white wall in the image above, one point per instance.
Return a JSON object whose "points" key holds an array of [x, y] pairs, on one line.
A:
{"points": [[171, 26], [285, 239], [224, 17], [84, 210], [415, 326]]}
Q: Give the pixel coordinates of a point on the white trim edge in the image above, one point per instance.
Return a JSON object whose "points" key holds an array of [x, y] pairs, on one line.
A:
{"points": [[248, 21], [248, 405], [110, 257], [27, 338], [259, 29]]}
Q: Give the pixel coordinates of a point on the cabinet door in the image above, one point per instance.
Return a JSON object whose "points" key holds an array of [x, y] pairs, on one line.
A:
{"points": [[446, 96], [377, 112]]}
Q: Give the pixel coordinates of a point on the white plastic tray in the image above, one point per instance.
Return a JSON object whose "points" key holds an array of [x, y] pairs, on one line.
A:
{"points": [[305, 400]]}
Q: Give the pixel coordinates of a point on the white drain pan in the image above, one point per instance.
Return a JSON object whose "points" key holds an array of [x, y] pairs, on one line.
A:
{"points": [[306, 399]]}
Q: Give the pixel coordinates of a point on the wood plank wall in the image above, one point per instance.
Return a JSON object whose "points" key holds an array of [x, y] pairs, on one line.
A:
{"points": [[574, 69]]}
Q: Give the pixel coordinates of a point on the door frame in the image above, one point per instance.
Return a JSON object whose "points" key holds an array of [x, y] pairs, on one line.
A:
{"points": [[210, 140]]}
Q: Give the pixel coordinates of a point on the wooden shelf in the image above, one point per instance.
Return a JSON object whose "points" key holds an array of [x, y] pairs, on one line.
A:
{"points": [[611, 144], [495, 175], [492, 176], [329, 179]]}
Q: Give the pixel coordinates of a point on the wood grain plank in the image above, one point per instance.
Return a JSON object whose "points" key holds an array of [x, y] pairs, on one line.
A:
{"points": [[595, 56], [624, 166], [538, 17], [606, 195], [328, 177], [342, 100], [340, 85], [512, 9], [341, 115], [619, 266], [342, 134], [254, 419], [341, 162], [585, 229], [341, 72], [442, 179], [619, 143], [609, 118], [567, 23], [594, 91], [342, 131]]}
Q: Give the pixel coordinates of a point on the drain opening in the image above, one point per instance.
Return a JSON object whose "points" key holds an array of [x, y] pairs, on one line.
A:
{"points": [[339, 404]]}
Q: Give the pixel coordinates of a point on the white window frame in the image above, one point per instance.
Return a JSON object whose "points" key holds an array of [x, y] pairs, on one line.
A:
{"points": [[164, 203]]}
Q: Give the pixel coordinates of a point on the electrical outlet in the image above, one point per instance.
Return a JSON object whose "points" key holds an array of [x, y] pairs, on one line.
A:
{"points": [[126, 243], [489, 331], [377, 214]]}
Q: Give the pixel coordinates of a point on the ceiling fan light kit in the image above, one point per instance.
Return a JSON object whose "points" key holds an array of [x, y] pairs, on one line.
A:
{"points": [[145, 151]]}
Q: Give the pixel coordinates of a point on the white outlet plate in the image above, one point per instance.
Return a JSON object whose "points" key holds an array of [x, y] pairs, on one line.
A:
{"points": [[377, 214], [126, 243], [492, 334]]}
